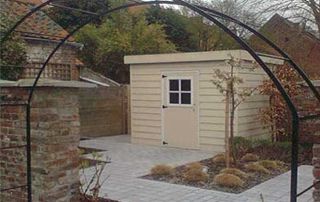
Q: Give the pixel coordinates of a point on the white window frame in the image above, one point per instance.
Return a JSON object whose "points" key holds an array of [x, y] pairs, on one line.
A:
{"points": [[179, 78]]}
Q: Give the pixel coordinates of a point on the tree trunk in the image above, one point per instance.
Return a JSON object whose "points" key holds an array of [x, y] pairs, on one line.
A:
{"points": [[227, 125], [233, 109]]}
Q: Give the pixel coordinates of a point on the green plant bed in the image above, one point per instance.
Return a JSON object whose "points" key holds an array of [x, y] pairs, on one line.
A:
{"points": [[213, 169]]}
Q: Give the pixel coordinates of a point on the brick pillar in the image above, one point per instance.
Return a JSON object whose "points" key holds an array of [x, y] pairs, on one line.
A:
{"points": [[54, 137], [310, 130], [316, 171]]}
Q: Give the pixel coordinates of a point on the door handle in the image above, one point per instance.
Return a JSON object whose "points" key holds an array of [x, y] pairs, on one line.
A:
{"points": [[164, 143], [163, 106]]}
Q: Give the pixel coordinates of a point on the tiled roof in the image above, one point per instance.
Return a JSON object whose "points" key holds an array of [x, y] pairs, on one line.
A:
{"points": [[39, 25]]}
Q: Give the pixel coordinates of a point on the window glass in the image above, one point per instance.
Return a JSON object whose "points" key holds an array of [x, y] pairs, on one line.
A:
{"points": [[174, 98], [186, 85], [185, 98], [174, 85]]}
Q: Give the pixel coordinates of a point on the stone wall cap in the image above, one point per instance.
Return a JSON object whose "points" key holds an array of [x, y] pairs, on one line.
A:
{"points": [[47, 83]]}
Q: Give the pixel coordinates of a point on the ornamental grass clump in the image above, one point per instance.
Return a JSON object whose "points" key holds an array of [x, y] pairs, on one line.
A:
{"points": [[256, 167], [219, 159], [234, 171], [228, 180], [272, 165], [194, 173], [162, 170], [195, 165], [249, 157]]}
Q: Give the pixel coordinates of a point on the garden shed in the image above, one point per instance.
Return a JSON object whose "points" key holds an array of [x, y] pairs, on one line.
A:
{"points": [[175, 103]]}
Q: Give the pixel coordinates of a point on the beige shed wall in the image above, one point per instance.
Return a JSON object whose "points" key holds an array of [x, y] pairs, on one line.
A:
{"points": [[146, 102], [248, 113], [146, 93]]}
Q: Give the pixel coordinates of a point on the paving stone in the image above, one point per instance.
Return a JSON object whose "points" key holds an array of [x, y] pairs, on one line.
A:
{"points": [[130, 161]]}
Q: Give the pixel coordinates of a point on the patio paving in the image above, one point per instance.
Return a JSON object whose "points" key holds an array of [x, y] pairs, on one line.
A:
{"points": [[131, 161]]}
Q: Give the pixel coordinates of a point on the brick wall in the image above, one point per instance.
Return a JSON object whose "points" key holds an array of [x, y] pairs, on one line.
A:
{"points": [[300, 45], [55, 139], [104, 111], [309, 105]]}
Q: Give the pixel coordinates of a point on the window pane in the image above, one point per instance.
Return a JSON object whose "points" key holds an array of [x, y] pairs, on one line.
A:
{"points": [[174, 98], [186, 85], [174, 85], [185, 98]]}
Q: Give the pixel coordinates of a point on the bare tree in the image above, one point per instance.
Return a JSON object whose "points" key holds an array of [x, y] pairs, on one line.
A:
{"points": [[243, 10], [227, 82]]}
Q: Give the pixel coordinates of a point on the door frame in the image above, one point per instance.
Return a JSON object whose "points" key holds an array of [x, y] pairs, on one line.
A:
{"points": [[195, 99]]}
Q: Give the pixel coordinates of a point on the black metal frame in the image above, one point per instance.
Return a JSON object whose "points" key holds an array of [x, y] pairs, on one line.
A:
{"points": [[212, 16]]}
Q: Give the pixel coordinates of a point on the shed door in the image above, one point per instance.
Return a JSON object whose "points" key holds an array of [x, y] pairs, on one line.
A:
{"points": [[180, 110]]}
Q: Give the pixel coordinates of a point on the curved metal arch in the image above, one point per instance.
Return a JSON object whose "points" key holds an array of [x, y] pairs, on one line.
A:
{"points": [[274, 46], [292, 108], [201, 11], [217, 14]]}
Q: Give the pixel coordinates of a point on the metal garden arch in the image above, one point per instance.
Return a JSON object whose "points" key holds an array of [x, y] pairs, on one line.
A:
{"points": [[212, 16]]}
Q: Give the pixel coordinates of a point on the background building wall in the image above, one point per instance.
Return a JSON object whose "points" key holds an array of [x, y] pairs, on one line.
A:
{"points": [[63, 62], [104, 111]]}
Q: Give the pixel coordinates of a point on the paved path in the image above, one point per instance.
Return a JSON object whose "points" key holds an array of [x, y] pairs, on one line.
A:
{"points": [[131, 161]]}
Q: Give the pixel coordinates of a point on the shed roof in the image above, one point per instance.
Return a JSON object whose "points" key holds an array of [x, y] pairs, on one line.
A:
{"points": [[197, 57], [38, 25]]}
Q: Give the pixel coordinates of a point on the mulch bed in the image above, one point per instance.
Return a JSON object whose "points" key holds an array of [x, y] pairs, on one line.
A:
{"points": [[281, 153], [272, 151], [214, 169]]}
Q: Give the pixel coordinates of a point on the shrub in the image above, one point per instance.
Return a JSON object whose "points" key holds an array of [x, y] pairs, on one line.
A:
{"points": [[261, 142], [195, 165], [255, 167], [269, 164], [162, 170], [242, 145], [250, 157], [234, 171], [221, 159], [195, 176], [280, 163], [228, 180]]}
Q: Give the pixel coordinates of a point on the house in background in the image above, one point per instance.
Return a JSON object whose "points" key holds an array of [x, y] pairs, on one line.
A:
{"points": [[301, 45], [41, 35], [103, 106], [175, 103]]}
